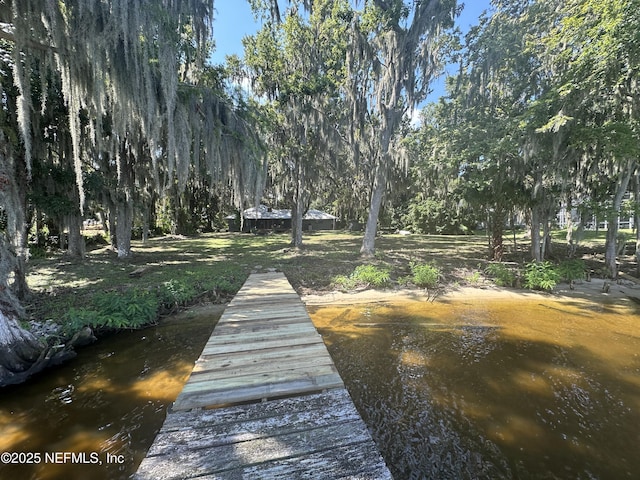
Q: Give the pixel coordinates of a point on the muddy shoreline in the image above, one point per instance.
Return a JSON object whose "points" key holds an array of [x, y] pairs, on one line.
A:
{"points": [[596, 291]]}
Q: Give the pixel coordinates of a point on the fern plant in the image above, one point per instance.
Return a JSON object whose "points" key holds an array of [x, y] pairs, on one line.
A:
{"points": [[541, 276], [425, 275]]}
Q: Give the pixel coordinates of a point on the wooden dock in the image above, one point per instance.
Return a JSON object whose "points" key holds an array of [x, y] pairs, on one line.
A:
{"points": [[264, 400]]}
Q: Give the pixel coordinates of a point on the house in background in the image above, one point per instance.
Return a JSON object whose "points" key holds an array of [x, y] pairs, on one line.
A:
{"points": [[267, 218], [625, 220]]}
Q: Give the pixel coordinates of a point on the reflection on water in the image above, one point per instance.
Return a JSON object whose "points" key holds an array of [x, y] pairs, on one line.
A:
{"points": [[494, 389], [111, 399]]}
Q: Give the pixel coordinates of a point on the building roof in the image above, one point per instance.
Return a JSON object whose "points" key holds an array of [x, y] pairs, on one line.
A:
{"points": [[265, 213]]}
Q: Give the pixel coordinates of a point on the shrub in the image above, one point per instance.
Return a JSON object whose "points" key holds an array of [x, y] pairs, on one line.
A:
{"points": [[425, 275], [343, 282], [502, 275], [540, 276], [176, 292], [115, 310], [570, 270], [474, 278], [363, 275], [371, 275]]}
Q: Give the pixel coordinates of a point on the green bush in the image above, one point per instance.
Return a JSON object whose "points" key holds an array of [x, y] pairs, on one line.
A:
{"points": [[425, 275], [176, 292], [502, 275], [115, 310], [363, 275], [570, 270], [541, 276]]}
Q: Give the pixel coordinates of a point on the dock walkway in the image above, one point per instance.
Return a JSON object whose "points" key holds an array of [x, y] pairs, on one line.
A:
{"points": [[264, 400]]}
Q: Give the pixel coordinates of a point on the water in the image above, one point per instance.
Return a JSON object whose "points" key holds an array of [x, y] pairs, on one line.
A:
{"points": [[110, 400], [458, 390], [494, 389]]}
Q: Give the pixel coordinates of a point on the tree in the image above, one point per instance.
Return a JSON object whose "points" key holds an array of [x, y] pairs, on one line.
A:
{"points": [[479, 126], [297, 64], [137, 106], [392, 56], [593, 51]]}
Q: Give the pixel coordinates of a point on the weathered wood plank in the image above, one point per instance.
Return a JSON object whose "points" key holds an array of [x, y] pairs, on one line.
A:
{"points": [[199, 399], [360, 461], [228, 456], [207, 430], [191, 419], [277, 373], [263, 334], [262, 323], [237, 359], [263, 299], [289, 315], [285, 341], [211, 370], [243, 312], [212, 432]]}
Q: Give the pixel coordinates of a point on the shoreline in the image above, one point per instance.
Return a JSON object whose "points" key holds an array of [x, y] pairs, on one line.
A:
{"points": [[622, 291]]}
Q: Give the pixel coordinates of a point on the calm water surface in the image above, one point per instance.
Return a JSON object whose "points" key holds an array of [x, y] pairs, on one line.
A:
{"points": [[460, 390], [494, 389], [111, 399]]}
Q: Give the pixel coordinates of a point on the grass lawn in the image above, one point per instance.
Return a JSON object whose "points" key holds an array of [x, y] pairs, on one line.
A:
{"points": [[212, 267]]}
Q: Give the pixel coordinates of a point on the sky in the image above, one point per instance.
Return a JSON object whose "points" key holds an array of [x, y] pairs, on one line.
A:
{"points": [[234, 20]]}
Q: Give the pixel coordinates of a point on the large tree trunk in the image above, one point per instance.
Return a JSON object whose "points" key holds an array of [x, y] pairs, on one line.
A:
{"points": [[297, 212], [20, 351], [111, 220], [296, 224], [636, 220], [21, 354], [76, 245], [611, 246], [497, 230], [546, 236], [536, 250], [371, 229], [17, 226], [124, 226]]}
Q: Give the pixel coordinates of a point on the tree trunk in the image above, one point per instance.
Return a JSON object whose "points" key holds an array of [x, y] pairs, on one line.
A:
{"points": [[610, 255], [17, 228], [371, 229], [20, 351], [497, 230], [76, 245], [124, 226], [296, 224], [546, 237], [536, 251], [570, 237], [299, 201], [611, 249], [636, 221], [111, 216]]}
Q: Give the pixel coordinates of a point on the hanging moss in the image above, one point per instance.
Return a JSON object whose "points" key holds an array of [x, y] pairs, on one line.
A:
{"points": [[120, 59]]}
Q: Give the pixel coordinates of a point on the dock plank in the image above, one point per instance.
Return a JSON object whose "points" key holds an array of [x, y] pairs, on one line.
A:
{"points": [[305, 361], [259, 392]]}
